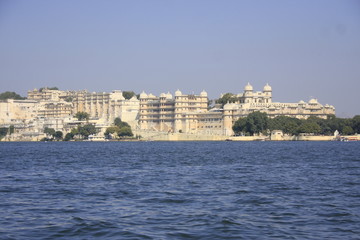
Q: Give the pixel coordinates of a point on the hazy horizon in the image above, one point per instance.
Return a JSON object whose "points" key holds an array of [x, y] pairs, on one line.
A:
{"points": [[303, 49]]}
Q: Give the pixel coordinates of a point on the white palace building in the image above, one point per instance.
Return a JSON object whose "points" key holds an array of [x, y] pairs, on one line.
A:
{"points": [[167, 113]]}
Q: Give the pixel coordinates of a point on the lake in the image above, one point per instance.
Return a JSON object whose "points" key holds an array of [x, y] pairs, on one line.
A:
{"points": [[180, 190]]}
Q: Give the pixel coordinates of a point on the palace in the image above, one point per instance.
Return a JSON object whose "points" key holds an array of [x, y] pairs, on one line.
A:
{"points": [[250, 101], [181, 113]]}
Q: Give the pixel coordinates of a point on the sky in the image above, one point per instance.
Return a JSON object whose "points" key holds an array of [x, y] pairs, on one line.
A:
{"points": [[303, 49]]}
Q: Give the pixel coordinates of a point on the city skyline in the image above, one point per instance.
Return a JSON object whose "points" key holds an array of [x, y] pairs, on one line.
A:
{"points": [[302, 49]]}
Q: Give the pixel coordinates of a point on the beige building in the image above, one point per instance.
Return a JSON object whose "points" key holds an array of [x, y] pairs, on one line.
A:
{"points": [[107, 106], [104, 106], [17, 111], [250, 101], [181, 113], [171, 114]]}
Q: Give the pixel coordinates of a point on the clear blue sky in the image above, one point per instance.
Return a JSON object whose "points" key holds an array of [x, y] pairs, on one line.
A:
{"points": [[301, 48]]}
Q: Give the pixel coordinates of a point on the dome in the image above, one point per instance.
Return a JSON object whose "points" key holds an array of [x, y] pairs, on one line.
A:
{"points": [[203, 94], [301, 102], [143, 95], [178, 93], [151, 96], [313, 101], [169, 96], [162, 95], [267, 88], [134, 98], [248, 87]]}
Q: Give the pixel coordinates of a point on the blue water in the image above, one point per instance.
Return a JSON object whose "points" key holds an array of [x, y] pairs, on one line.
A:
{"points": [[180, 190]]}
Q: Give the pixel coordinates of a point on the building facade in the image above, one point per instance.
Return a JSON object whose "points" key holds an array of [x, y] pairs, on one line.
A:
{"points": [[250, 101], [171, 114], [167, 113]]}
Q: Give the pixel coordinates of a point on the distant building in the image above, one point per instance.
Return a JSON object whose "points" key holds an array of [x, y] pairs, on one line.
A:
{"points": [[250, 101], [171, 114], [186, 113]]}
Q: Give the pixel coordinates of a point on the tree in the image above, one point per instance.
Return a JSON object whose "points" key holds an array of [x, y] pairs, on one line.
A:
{"points": [[347, 130], [125, 132], [309, 127], [3, 132], [291, 128], [69, 136], [286, 124], [49, 131], [86, 130], [11, 129], [58, 135], [49, 88], [119, 123], [11, 95], [68, 99], [355, 123], [82, 116], [256, 122], [227, 97], [111, 130], [128, 94], [239, 126]]}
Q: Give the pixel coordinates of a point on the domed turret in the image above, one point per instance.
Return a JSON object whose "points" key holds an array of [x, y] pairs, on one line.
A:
{"points": [[143, 95], [313, 101], [203, 94], [178, 93], [162, 95], [169, 96], [248, 88], [151, 96], [301, 102], [267, 88]]}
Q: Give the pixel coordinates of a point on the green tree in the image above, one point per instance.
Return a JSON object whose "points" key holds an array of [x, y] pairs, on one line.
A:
{"points": [[11, 129], [111, 130], [58, 135], [69, 136], [68, 99], [119, 123], [3, 132], [256, 122], [240, 126], [347, 130], [128, 94], [125, 132], [291, 128], [355, 123], [11, 95], [288, 125], [49, 131], [82, 116], [227, 97], [309, 127], [86, 130], [49, 88]]}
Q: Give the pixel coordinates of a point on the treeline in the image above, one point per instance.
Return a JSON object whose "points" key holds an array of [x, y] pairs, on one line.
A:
{"points": [[119, 129], [259, 122], [6, 131], [11, 95]]}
